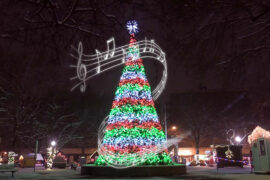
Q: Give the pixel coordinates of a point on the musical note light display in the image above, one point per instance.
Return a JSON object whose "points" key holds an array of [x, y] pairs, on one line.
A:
{"points": [[131, 134], [89, 66]]}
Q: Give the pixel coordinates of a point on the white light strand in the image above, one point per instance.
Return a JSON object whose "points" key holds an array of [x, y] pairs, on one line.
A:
{"points": [[121, 117], [101, 62], [258, 132], [89, 66]]}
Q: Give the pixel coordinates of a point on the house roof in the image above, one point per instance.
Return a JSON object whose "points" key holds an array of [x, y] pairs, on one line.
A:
{"points": [[258, 132]]}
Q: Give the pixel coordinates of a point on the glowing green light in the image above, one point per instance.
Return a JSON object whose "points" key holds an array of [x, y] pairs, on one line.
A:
{"points": [[147, 159], [138, 109], [135, 67], [135, 132]]}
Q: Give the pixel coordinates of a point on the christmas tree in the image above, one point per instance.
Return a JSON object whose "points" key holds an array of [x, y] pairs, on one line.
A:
{"points": [[134, 132]]}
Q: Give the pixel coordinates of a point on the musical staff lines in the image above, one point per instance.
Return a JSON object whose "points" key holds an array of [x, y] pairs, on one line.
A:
{"points": [[89, 66]]}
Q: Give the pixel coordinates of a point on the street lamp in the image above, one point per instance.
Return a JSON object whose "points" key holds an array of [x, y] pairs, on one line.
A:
{"points": [[53, 143], [174, 134], [238, 139], [51, 154]]}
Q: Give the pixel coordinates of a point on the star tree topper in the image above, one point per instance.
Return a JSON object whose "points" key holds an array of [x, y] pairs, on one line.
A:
{"points": [[132, 27]]}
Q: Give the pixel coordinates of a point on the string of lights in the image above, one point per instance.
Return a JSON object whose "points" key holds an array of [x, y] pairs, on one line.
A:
{"points": [[231, 160], [101, 63], [132, 133]]}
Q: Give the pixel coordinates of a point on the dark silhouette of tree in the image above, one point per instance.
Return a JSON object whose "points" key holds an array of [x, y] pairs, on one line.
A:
{"points": [[57, 124], [197, 118], [214, 45], [205, 117]]}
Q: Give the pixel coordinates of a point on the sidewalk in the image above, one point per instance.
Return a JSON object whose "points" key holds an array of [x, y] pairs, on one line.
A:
{"points": [[42, 173], [232, 173]]}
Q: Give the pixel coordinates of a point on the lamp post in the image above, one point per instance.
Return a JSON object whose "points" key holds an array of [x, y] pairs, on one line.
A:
{"points": [[51, 151], [35, 157], [174, 133], [53, 144]]}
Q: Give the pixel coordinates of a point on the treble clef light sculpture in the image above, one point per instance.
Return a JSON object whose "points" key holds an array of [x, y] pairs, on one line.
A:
{"points": [[81, 68], [89, 66]]}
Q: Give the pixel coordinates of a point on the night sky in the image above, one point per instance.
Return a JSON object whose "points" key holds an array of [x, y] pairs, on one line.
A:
{"points": [[217, 51]]}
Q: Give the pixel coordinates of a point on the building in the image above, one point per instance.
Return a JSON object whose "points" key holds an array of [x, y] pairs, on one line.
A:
{"points": [[259, 141]]}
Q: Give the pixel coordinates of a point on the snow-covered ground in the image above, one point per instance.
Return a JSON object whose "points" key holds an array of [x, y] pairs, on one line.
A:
{"points": [[193, 173]]}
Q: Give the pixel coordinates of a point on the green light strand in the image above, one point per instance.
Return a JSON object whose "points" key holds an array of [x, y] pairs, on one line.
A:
{"points": [[136, 68], [147, 159], [133, 50], [137, 109], [135, 132]]}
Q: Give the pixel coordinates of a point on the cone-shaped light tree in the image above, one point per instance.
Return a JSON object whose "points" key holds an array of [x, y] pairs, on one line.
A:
{"points": [[133, 132]]}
